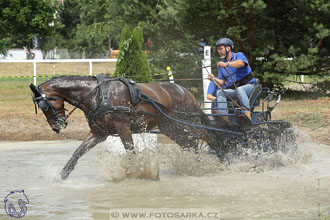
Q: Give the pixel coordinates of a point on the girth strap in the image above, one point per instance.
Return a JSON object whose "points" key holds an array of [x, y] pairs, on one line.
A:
{"points": [[104, 104], [133, 90]]}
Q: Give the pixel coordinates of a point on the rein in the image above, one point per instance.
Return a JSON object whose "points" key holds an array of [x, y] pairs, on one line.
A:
{"points": [[226, 94], [147, 99]]}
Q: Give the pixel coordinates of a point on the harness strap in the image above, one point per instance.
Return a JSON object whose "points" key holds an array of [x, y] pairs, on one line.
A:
{"points": [[105, 106]]}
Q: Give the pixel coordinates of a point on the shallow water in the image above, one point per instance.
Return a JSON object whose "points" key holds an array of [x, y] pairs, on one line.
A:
{"points": [[270, 187]]}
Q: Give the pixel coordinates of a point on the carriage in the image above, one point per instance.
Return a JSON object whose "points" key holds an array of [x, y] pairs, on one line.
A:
{"points": [[262, 135]]}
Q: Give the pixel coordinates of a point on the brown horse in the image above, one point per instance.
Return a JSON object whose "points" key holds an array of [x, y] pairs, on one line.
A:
{"points": [[111, 107]]}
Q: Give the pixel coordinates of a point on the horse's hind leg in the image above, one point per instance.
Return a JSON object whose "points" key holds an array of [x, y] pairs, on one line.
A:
{"points": [[85, 146], [187, 136], [177, 133]]}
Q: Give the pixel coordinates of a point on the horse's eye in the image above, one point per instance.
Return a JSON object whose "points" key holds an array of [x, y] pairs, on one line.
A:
{"points": [[43, 105]]}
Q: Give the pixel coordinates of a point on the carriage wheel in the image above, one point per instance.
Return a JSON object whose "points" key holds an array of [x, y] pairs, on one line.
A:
{"points": [[258, 139], [199, 145], [286, 141]]}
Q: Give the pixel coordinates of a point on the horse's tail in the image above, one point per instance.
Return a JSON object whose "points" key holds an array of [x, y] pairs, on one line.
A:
{"points": [[204, 119], [210, 136]]}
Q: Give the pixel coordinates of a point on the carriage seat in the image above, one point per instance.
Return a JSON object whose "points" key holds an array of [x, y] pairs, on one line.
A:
{"points": [[254, 98]]}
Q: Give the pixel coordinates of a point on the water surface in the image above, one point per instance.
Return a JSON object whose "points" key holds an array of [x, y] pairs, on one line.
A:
{"points": [[269, 187]]}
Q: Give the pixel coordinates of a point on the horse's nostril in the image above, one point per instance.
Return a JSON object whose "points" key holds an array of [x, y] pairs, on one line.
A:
{"points": [[57, 130]]}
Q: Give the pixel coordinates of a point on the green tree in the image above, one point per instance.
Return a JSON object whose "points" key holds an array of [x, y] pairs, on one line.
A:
{"points": [[69, 16], [278, 37], [88, 27], [22, 20], [271, 31], [90, 39], [298, 42], [132, 60]]}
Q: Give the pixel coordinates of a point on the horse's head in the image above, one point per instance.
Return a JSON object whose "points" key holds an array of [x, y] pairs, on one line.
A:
{"points": [[52, 106]]}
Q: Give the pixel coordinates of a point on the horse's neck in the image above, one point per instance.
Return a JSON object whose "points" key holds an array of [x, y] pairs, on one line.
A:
{"points": [[77, 92]]}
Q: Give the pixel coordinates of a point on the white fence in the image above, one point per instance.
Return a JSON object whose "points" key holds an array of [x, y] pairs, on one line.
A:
{"points": [[90, 61]]}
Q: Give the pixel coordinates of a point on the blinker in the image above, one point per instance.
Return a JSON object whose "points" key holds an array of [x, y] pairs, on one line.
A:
{"points": [[43, 105]]}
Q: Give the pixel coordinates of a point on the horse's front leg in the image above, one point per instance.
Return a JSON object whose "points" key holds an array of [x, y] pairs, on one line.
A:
{"points": [[85, 146], [124, 131]]}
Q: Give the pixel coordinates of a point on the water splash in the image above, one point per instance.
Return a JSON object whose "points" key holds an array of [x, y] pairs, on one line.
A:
{"points": [[187, 162], [118, 165]]}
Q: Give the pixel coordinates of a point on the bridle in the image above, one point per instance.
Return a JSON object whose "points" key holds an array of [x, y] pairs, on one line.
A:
{"points": [[43, 103], [42, 100]]}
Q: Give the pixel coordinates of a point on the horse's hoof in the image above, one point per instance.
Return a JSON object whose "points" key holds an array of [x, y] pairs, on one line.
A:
{"points": [[64, 175], [223, 157]]}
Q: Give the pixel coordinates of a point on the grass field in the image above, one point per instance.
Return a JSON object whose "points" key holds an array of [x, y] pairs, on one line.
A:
{"points": [[26, 69], [307, 79], [19, 122]]}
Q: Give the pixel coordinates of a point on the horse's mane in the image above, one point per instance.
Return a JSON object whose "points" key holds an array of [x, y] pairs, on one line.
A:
{"points": [[70, 77], [74, 77]]}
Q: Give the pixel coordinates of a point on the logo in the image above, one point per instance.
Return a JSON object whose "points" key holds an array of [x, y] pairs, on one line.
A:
{"points": [[15, 204]]}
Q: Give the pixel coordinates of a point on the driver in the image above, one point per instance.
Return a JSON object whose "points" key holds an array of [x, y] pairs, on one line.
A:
{"points": [[238, 67]]}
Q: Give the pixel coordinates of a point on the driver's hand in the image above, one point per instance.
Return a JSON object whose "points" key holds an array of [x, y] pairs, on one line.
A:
{"points": [[222, 64], [211, 77]]}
